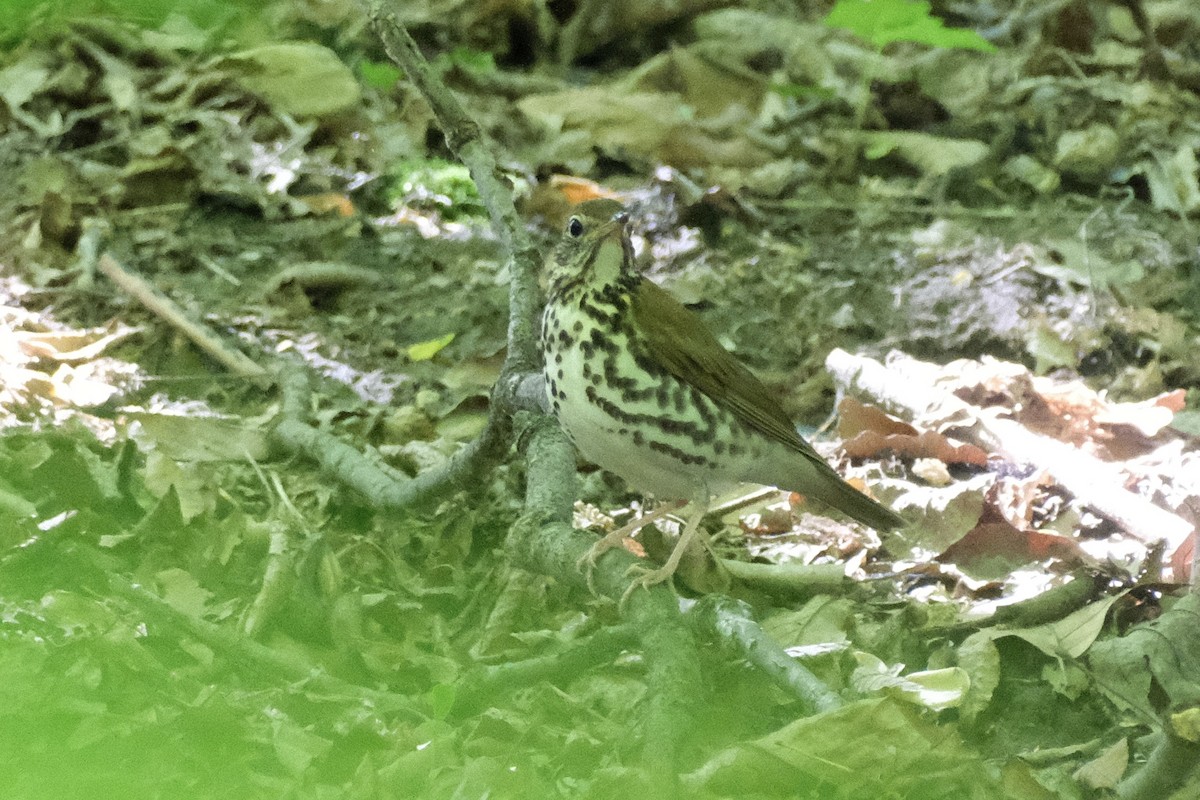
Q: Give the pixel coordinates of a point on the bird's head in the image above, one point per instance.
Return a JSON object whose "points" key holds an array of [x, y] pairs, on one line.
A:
{"points": [[594, 250]]}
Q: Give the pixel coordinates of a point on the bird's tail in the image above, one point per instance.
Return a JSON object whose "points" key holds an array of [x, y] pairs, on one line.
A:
{"points": [[811, 476], [850, 501]]}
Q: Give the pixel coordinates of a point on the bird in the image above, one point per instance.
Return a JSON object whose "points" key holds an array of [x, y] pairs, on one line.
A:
{"points": [[643, 389]]}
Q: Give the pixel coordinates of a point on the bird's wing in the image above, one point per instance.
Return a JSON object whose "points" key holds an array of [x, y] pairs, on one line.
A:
{"points": [[678, 340]]}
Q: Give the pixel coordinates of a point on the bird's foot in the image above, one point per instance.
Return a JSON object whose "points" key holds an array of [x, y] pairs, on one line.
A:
{"points": [[587, 562], [644, 578]]}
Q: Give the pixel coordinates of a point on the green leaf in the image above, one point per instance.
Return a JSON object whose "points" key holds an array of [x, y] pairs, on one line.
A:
{"points": [[936, 689], [882, 22], [423, 351], [304, 79], [1070, 636], [379, 74], [441, 699], [183, 592], [478, 61], [435, 184]]}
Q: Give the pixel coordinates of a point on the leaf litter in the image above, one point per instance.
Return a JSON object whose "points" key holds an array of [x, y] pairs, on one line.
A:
{"points": [[217, 175]]}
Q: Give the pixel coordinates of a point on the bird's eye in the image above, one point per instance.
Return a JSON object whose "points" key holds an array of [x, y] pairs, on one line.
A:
{"points": [[575, 228]]}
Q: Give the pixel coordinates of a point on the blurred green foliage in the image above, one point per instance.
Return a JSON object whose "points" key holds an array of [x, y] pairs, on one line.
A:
{"points": [[435, 185], [882, 22], [25, 19], [379, 74]]}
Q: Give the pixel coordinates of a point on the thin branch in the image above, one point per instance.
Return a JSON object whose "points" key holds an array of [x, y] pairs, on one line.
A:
{"points": [[384, 486], [465, 139], [524, 300], [1169, 766], [543, 541], [166, 309], [733, 624], [481, 686], [788, 579], [244, 653]]}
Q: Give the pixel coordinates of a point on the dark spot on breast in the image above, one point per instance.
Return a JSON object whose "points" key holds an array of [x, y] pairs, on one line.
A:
{"points": [[615, 379], [703, 406], [602, 342], [672, 425], [677, 454], [601, 316]]}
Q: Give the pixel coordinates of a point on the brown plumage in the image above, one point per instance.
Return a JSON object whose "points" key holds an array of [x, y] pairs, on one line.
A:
{"points": [[645, 390]]}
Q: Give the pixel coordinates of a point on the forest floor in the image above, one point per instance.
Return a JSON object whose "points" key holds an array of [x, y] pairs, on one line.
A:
{"points": [[978, 251]]}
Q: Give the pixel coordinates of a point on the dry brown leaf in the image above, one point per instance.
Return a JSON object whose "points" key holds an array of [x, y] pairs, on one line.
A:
{"points": [[855, 417], [869, 444], [994, 547], [869, 432], [72, 345]]}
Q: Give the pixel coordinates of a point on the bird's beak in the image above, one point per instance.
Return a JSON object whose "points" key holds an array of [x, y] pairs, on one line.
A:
{"points": [[616, 227]]}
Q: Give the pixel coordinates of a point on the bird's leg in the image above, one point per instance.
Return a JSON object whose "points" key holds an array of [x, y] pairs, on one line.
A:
{"points": [[587, 563], [691, 531]]}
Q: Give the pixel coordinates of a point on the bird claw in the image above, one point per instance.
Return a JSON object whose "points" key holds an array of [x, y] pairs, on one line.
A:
{"points": [[587, 562], [644, 578]]}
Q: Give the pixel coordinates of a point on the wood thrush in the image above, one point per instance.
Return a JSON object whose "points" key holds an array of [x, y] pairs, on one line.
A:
{"points": [[644, 390]]}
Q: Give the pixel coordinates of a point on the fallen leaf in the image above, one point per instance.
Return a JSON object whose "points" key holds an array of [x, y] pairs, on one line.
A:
{"points": [[855, 417], [303, 79], [423, 351], [870, 444], [993, 548]]}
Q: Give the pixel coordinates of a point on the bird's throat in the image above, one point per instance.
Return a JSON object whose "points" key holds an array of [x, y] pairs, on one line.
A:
{"points": [[608, 262]]}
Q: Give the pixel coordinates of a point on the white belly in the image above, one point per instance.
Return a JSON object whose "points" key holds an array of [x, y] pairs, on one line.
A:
{"points": [[610, 442]]}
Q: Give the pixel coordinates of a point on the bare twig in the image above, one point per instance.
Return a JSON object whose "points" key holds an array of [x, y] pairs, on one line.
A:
{"points": [[1170, 764], [244, 653], [788, 579], [544, 541], [163, 307], [734, 625], [384, 486], [483, 685], [466, 140]]}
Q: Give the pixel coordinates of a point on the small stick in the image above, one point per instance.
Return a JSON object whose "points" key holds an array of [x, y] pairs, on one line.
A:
{"points": [[166, 309]]}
